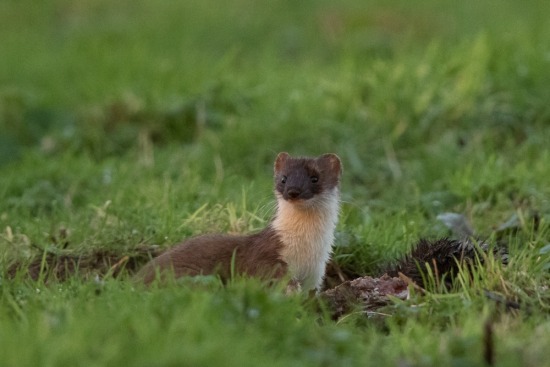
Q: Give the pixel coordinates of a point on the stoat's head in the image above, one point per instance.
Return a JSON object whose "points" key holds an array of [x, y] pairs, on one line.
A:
{"points": [[299, 180]]}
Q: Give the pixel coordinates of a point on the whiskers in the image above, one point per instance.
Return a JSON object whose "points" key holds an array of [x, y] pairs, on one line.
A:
{"points": [[267, 209]]}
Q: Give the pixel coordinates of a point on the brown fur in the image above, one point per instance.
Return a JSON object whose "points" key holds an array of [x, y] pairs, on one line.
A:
{"points": [[224, 255]]}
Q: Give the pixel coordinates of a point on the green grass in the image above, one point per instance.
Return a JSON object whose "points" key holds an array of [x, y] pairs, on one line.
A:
{"points": [[135, 122]]}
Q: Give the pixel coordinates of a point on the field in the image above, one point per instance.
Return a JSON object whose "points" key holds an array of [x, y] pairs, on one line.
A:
{"points": [[132, 125]]}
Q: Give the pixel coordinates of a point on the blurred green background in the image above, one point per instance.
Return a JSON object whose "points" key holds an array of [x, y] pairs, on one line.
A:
{"points": [[305, 76]]}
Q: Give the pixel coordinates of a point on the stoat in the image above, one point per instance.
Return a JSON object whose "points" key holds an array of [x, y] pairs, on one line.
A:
{"points": [[297, 242]]}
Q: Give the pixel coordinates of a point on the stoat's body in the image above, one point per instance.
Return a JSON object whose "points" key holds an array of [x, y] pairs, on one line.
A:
{"points": [[298, 241]]}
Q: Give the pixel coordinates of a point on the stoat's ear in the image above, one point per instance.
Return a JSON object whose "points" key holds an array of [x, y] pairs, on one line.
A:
{"points": [[281, 160], [331, 162]]}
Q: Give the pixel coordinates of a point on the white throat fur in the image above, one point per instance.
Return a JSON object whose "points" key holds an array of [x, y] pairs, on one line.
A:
{"points": [[307, 232]]}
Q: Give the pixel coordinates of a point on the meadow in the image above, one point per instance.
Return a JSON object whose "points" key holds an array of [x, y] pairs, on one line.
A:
{"points": [[135, 124]]}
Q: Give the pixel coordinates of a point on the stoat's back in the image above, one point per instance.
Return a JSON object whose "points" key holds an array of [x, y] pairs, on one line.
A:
{"points": [[255, 255]]}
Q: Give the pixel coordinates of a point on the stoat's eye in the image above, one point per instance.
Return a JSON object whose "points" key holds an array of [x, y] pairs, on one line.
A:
{"points": [[314, 179], [283, 179]]}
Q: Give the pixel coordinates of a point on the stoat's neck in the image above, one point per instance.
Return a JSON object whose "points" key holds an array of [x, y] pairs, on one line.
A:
{"points": [[307, 233]]}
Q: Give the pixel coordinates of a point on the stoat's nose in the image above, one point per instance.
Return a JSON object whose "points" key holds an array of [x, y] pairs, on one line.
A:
{"points": [[293, 193]]}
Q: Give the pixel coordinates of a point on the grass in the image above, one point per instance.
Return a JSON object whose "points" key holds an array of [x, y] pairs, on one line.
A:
{"points": [[148, 122]]}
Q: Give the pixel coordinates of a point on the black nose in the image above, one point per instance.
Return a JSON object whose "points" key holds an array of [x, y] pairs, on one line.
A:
{"points": [[293, 192]]}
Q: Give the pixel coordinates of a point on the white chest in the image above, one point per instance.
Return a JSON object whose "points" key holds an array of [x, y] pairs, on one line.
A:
{"points": [[307, 234]]}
